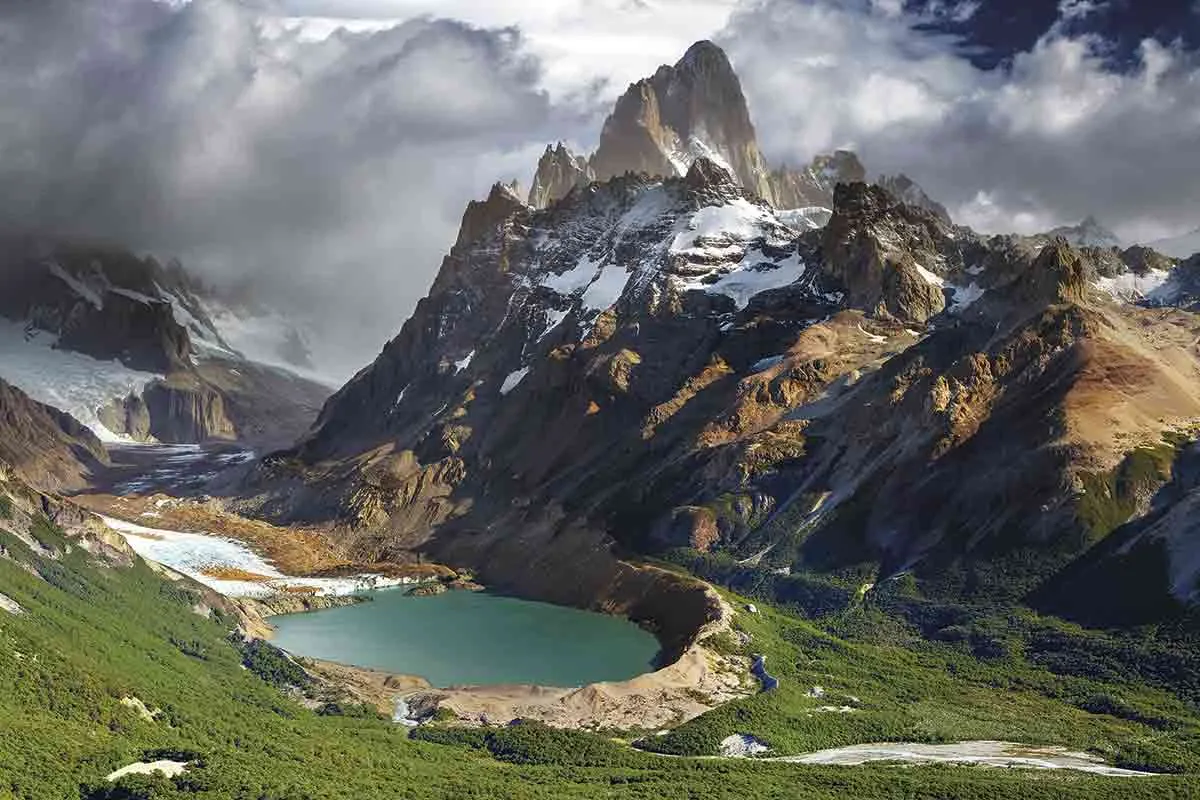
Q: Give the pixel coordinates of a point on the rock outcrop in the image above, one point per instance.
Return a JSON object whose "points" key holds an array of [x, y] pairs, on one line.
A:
{"points": [[890, 257], [558, 172], [693, 109], [906, 190], [813, 187], [45, 447]]}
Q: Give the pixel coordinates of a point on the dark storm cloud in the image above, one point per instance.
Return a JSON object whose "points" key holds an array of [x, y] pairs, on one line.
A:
{"points": [[332, 174]]}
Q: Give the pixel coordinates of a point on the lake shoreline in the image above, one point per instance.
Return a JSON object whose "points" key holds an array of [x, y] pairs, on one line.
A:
{"points": [[699, 681], [695, 681]]}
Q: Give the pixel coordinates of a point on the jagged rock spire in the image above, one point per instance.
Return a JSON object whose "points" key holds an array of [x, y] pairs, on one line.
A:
{"points": [[695, 108], [482, 216], [558, 172]]}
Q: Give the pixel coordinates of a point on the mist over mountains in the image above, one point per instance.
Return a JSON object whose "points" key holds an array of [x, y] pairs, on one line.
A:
{"points": [[327, 171]]}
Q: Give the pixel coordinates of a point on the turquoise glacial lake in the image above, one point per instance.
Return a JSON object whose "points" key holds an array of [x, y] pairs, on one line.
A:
{"points": [[472, 639]]}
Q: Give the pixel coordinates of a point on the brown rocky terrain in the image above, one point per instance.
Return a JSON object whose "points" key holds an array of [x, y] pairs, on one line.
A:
{"points": [[44, 446], [651, 363]]}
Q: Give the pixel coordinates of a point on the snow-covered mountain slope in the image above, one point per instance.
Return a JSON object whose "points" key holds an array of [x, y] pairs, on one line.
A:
{"points": [[134, 350], [1129, 287], [72, 382], [632, 248]]}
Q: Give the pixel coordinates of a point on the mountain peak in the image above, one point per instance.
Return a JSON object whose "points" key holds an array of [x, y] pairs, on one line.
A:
{"points": [[906, 190], [484, 216], [558, 172], [704, 55], [694, 109], [705, 173]]}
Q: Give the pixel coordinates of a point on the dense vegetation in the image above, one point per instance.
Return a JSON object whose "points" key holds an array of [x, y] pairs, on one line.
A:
{"points": [[948, 671], [94, 635]]}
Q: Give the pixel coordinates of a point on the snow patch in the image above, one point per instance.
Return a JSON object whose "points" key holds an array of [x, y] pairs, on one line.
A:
{"points": [[168, 768], [985, 753], [79, 287], [513, 379], [932, 278], [400, 397], [574, 280], [192, 554], [805, 219], [871, 336], [1130, 287], [71, 382], [607, 289], [963, 296], [766, 363], [743, 284], [738, 220]]}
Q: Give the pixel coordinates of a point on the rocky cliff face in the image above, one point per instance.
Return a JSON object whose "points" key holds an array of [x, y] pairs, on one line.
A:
{"points": [[558, 172], [889, 255], [693, 109], [43, 446], [103, 302]]}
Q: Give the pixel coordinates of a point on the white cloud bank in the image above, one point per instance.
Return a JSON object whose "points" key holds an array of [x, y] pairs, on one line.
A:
{"points": [[263, 141], [1050, 140]]}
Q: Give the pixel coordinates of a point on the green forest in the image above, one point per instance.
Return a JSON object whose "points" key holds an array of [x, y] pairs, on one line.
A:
{"points": [[93, 635]]}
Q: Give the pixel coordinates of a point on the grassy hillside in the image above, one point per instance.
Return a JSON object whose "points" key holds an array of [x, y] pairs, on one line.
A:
{"points": [[94, 633]]}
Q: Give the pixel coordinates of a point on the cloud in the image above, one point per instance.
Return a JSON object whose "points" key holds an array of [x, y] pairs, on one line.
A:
{"points": [[1078, 9], [323, 150], [329, 174], [319, 151], [1049, 139], [579, 42]]}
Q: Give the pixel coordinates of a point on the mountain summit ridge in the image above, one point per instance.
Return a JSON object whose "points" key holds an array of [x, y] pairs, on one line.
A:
{"points": [[694, 109]]}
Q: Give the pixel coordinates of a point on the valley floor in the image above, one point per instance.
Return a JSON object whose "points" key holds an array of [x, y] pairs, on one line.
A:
{"points": [[104, 664]]}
